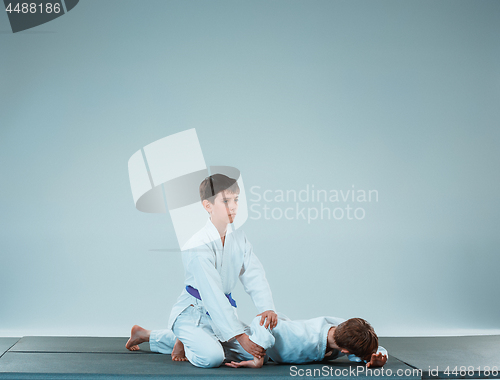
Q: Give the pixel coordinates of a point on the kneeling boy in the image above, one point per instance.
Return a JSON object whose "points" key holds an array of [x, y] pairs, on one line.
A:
{"points": [[204, 318]]}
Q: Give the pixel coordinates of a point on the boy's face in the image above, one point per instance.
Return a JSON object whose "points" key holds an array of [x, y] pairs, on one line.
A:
{"points": [[224, 208]]}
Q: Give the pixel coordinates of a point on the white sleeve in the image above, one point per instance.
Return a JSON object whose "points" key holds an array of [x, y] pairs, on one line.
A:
{"points": [[260, 335], [254, 281], [383, 351], [209, 284]]}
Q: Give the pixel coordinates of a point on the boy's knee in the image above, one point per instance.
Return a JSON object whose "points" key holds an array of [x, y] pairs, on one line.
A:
{"points": [[210, 359]]}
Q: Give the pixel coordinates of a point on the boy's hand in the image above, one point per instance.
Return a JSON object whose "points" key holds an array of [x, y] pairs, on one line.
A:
{"points": [[377, 360], [255, 363], [272, 319], [250, 347]]}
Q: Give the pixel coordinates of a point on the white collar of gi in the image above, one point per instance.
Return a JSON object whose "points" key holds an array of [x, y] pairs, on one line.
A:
{"points": [[214, 233]]}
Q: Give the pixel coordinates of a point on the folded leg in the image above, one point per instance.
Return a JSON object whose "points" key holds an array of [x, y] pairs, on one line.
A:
{"points": [[162, 341], [200, 343]]}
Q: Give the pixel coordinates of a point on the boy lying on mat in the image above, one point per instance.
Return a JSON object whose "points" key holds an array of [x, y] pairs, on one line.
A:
{"points": [[317, 339]]}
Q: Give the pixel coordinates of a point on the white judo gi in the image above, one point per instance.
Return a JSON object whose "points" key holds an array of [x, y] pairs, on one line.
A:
{"points": [[214, 270], [300, 341]]}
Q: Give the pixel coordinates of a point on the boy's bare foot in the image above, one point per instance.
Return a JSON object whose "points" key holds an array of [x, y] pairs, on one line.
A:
{"points": [[178, 354], [138, 335]]}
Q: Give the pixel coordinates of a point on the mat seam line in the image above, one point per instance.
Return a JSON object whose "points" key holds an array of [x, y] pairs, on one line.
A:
{"points": [[10, 348]]}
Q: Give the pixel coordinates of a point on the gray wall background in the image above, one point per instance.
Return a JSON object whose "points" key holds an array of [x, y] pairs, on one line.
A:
{"points": [[397, 96]]}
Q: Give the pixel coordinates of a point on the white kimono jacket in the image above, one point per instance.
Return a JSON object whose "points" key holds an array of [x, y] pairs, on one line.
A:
{"points": [[214, 269], [300, 341]]}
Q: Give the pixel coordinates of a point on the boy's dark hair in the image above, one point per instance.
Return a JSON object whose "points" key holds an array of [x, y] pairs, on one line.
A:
{"points": [[214, 184], [358, 337]]}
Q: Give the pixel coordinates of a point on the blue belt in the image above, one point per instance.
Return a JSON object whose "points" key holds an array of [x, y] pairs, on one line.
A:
{"points": [[196, 294]]}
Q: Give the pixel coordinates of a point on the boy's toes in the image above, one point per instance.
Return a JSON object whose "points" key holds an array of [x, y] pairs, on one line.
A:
{"points": [[176, 358]]}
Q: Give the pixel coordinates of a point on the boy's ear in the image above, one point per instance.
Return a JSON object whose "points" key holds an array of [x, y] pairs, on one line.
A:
{"points": [[207, 206], [344, 351]]}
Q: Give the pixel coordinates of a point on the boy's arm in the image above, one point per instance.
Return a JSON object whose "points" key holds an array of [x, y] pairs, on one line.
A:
{"points": [[209, 284], [253, 278], [260, 336]]}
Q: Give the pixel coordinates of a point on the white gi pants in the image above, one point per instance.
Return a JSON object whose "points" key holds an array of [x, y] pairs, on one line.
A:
{"points": [[192, 327]]}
